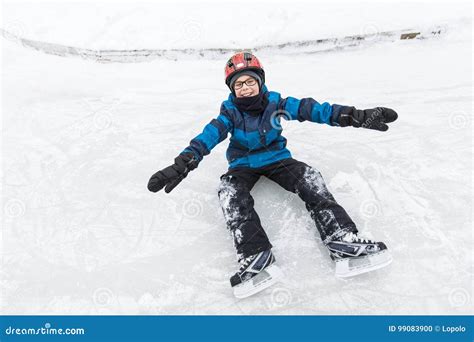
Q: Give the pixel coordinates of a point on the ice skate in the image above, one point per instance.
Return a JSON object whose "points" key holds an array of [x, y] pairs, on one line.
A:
{"points": [[255, 274], [354, 255]]}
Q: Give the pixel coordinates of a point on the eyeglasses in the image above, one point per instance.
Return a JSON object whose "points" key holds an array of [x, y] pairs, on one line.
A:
{"points": [[250, 82]]}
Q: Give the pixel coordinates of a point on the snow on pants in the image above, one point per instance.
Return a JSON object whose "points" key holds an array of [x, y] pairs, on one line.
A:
{"points": [[242, 220]]}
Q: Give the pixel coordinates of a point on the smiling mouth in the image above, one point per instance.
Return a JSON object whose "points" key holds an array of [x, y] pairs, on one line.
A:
{"points": [[247, 95]]}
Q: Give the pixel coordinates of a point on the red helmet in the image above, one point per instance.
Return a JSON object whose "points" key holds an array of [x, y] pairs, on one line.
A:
{"points": [[243, 61]]}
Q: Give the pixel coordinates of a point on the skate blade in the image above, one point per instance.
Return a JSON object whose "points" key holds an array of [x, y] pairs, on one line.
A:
{"points": [[260, 282], [354, 266]]}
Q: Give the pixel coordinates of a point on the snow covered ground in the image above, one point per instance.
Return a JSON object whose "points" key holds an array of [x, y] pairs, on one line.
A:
{"points": [[81, 234], [109, 24]]}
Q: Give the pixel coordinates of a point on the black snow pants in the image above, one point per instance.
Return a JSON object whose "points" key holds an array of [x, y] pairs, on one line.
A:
{"points": [[242, 220]]}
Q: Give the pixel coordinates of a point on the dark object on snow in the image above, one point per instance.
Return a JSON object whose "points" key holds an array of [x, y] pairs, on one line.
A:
{"points": [[375, 118], [411, 35], [173, 174]]}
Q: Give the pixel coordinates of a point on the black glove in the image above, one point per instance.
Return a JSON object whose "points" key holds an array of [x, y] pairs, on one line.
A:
{"points": [[375, 118], [172, 175]]}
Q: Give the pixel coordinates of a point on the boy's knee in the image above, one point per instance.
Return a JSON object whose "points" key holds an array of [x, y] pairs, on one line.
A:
{"points": [[233, 193], [226, 189], [313, 181]]}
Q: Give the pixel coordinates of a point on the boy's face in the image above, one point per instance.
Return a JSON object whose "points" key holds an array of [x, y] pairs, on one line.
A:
{"points": [[246, 86]]}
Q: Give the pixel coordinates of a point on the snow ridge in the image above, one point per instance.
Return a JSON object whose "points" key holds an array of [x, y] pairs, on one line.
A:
{"points": [[288, 48]]}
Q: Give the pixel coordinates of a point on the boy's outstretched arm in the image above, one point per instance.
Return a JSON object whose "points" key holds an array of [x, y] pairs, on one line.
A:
{"points": [[213, 133], [308, 109]]}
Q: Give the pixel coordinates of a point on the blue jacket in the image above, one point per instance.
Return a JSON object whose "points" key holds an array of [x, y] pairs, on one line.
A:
{"points": [[256, 141]]}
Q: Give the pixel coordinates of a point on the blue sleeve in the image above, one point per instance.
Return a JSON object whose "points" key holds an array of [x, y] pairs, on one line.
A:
{"points": [[308, 109], [212, 134]]}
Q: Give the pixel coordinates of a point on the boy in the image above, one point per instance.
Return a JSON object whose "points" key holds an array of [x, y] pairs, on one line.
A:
{"points": [[252, 115]]}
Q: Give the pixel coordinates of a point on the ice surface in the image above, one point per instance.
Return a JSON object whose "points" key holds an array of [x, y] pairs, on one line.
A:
{"points": [[81, 234]]}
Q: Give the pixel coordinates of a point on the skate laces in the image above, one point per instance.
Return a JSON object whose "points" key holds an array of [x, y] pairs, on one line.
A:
{"points": [[245, 262], [352, 237]]}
